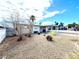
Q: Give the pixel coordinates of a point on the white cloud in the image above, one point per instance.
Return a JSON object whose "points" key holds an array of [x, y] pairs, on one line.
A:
{"points": [[50, 14], [63, 11], [47, 23], [25, 7]]}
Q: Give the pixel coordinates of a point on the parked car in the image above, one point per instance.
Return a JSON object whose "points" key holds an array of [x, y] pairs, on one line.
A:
{"points": [[10, 32], [1, 27]]}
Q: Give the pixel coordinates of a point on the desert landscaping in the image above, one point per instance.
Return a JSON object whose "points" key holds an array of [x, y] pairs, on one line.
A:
{"points": [[37, 47], [39, 29]]}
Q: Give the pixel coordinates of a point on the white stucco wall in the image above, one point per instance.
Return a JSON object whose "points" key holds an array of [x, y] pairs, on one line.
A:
{"points": [[25, 30], [2, 34], [36, 28]]}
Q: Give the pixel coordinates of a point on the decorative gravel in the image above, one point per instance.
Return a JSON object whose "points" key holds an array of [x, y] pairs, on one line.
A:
{"points": [[37, 47]]}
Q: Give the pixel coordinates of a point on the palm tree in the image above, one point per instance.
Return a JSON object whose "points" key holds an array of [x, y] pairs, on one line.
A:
{"points": [[56, 25], [61, 25], [40, 23], [32, 18], [31, 24]]}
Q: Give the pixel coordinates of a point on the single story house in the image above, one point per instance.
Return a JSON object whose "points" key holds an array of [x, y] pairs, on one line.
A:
{"points": [[42, 28]]}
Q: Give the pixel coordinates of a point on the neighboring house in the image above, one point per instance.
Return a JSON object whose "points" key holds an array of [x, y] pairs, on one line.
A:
{"points": [[42, 28], [46, 28], [36, 29], [25, 28]]}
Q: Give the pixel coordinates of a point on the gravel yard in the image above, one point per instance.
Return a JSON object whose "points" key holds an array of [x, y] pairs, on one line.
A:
{"points": [[37, 47]]}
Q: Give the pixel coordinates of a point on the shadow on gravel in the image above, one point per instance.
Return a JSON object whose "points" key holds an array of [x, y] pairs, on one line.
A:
{"points": [[74, 40]]}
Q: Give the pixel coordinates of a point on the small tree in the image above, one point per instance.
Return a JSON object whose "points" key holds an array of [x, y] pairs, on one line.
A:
{"points": [[18, 26], [70, 25], [74, 24]]}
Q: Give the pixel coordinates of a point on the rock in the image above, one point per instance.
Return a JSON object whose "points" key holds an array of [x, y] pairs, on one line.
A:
{"points": [[49, 38]]}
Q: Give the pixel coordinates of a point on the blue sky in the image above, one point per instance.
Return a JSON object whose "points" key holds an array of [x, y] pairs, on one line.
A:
{"points": [[45, 11], [71, 14]]}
